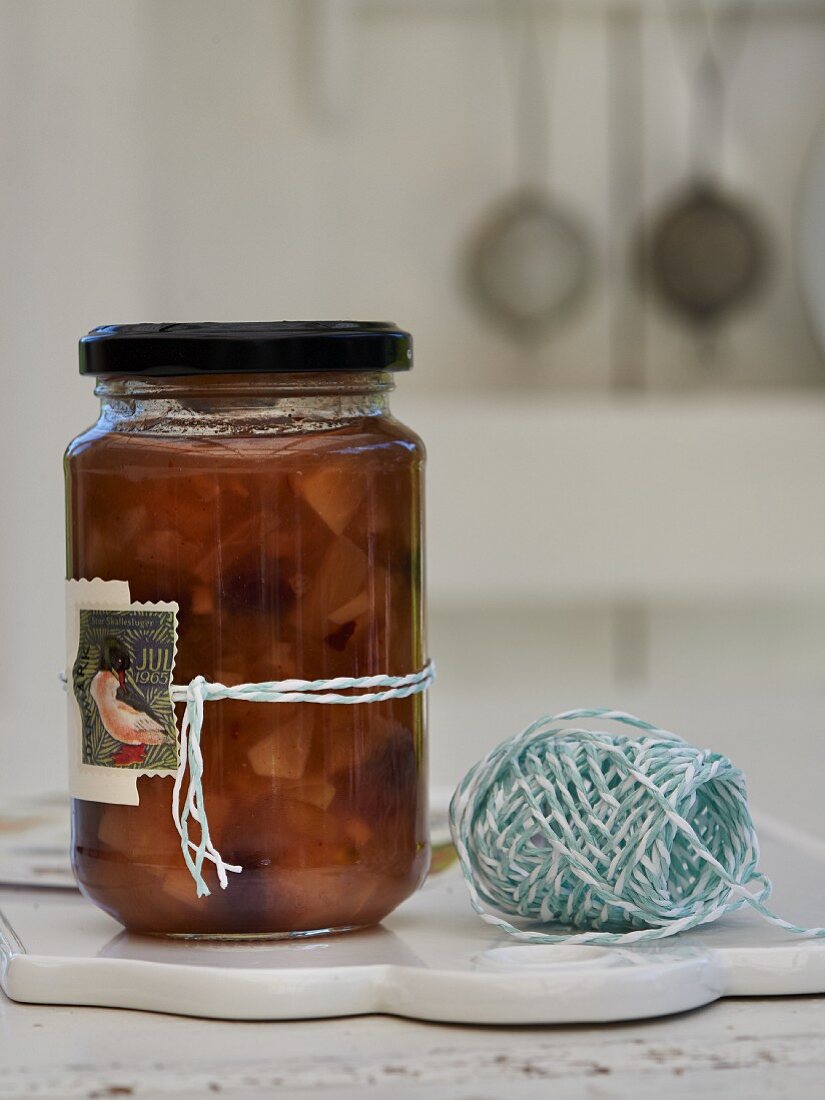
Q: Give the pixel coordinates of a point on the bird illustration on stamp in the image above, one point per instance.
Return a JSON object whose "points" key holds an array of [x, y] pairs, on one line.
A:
{"points": [[124, 716]]}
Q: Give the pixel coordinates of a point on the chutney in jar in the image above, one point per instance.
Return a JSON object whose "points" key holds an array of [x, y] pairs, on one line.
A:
{"points": [[253, 476]]}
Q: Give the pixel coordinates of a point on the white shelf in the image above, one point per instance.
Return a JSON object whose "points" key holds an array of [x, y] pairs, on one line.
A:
{"points": [[583, 6], [657, 498]]}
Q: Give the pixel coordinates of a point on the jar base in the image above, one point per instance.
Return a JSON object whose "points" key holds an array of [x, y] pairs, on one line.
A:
{"points": [[246, 937]]}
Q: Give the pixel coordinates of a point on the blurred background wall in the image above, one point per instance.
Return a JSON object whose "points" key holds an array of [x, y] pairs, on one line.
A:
{"points": [[627, 509]]}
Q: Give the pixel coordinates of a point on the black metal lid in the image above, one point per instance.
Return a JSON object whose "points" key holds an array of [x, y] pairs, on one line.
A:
{"points": [[282, 347]]}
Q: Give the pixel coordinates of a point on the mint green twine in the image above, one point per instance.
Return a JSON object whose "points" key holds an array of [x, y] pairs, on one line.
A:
{"points": [[629, 838], [199, 691]]}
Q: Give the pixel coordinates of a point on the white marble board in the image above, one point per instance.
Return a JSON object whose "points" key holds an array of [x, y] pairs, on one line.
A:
{"points": [[431, 960]]}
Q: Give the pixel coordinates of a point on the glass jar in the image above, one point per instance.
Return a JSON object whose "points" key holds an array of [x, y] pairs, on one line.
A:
{"points": [[252, 478]]}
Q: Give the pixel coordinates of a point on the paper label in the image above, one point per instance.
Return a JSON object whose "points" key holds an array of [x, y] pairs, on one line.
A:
{"points": [[120, 660]]}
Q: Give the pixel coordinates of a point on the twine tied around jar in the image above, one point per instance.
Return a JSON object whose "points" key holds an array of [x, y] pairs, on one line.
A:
{"points": [[200, 690]]}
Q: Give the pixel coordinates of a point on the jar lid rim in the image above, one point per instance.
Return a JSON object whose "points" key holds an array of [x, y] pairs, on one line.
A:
{"points": [[245, 347]]}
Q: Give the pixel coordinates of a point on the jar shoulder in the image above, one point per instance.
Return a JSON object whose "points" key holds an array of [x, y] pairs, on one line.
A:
{"points": [[405, 435], [83, 442]]}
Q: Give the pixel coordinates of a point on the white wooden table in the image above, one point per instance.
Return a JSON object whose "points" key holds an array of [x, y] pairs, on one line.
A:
{"points": [[732, 1048]]}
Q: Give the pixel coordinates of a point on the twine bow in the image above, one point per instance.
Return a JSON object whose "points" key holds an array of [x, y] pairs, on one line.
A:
{"points": [[199, 691]]}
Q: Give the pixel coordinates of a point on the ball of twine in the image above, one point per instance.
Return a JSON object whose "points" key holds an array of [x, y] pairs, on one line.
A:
{"points": [[629, 838]]}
